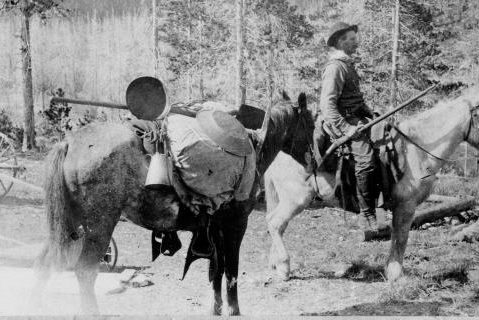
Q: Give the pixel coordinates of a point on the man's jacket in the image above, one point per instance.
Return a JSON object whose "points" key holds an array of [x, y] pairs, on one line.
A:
{"points": [[342, 104]]}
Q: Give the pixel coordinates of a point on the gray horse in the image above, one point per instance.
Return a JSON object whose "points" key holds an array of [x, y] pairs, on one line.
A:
{"points": [[98, 174], [429, 138]]}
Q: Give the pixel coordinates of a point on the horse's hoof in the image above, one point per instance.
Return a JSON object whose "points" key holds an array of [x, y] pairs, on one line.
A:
{"points": [[282, 272], [90, 310], [233, 311], [216, 311], [393, 271]]}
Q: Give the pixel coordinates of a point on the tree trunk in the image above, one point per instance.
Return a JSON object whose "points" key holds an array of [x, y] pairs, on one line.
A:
{"points": [[28, 112], [394, 56], [201, 72], [189, 75], [270, 90], [240, 74], [156, 48]]}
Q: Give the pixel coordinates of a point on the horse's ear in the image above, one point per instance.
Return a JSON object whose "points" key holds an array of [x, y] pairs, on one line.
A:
{"points": [[285, 96], [302, 101]]}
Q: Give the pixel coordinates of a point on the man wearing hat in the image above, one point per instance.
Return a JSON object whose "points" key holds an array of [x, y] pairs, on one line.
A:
{"points": [[343, 109]]}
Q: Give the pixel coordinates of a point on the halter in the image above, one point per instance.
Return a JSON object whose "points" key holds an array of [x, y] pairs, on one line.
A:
{"points": [[466, 137]]}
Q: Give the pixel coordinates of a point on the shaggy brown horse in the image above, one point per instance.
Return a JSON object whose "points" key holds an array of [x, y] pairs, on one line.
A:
{"points": [[98, 174]]}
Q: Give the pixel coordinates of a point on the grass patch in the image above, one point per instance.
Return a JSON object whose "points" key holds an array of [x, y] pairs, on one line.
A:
{"points": [[456, 186]]}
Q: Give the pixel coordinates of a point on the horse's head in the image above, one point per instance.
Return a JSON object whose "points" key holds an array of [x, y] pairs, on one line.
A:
{"points": [[290, 129], [299, 136], [471, 133], [469, 104]]}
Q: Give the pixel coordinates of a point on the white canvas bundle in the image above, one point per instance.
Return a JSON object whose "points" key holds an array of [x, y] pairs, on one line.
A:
{"points": [[204, 167]]}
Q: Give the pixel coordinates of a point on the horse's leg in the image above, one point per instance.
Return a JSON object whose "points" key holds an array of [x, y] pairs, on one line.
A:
{"points": [[402, 218], [95, 245], [278, 220], [216, 277], [216, 285], [233, 232], [42, 270], [86, 279], [290, 204], [272, 201]]}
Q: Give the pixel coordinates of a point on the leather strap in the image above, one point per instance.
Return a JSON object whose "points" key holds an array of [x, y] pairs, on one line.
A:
{"points": [[408, 139]]}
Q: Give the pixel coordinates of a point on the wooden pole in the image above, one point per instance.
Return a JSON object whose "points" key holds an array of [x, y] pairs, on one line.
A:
{"points": [[174, 109]]}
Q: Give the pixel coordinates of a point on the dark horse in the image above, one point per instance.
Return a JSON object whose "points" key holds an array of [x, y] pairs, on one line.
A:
{"points": [[98, 174]]}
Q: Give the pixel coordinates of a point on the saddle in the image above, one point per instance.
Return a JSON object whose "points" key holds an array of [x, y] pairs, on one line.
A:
{"points": [[389, 164]]}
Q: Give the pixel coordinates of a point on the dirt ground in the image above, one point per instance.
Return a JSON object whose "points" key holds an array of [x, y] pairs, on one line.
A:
{"points": [[440, 279]]}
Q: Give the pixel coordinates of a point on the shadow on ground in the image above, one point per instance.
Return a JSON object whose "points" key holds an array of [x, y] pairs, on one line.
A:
{"points": [[356, 271], [392, 308]]}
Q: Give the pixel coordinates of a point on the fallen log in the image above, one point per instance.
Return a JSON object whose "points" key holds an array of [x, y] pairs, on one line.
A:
{"points": [[443, 210], [440, 198], [446, 209], [468, 233]]}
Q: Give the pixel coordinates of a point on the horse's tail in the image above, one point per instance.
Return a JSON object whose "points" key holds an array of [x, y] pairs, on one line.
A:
{"points": [[62, 249]]}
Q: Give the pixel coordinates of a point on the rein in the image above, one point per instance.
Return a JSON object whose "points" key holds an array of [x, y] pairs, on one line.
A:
{"points": [[411, 141], [408, 139]]}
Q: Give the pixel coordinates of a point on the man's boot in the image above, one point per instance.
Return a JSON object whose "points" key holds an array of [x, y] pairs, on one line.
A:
{"points": [[366, 191], [367, 220]]}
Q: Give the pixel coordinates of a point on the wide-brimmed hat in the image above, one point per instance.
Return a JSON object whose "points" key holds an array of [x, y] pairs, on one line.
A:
{"points": [[337, 30], [225, 131]]}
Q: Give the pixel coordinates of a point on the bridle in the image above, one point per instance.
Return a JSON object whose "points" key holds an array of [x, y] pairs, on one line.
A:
{"points": [[302, 121], [466, 136]]}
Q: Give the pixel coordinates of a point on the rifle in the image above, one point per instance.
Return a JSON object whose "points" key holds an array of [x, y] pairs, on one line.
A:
{"points": [[344, 139]]}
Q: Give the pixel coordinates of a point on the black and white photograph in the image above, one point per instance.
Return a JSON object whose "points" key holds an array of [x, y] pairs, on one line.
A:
{"points": [[257, 158]]}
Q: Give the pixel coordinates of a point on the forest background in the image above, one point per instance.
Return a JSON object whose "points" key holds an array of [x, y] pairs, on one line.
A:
{"points": [[94, 49]]}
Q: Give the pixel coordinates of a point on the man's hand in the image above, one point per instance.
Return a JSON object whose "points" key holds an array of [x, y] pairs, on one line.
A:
{"points": [[354, 132]]}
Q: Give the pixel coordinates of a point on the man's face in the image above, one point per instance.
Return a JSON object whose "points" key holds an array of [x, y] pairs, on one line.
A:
{"points": [[348, 42]]}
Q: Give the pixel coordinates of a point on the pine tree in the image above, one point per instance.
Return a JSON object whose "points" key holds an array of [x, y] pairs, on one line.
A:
{"points": [[28, 8]]}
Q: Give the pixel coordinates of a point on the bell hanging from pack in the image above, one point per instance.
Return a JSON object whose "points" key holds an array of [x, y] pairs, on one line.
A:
{"points": [[160, 171]]}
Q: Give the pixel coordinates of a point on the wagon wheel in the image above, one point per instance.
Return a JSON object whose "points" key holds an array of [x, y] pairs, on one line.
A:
{"points": [[111, 256], [8, 163]]}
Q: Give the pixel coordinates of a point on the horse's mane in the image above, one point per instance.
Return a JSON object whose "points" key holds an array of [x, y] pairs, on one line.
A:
{"points": [[282, 115]]}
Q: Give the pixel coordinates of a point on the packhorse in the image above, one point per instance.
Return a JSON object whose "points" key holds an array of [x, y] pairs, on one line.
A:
{"points": [[97, 175], [423, 143]]}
